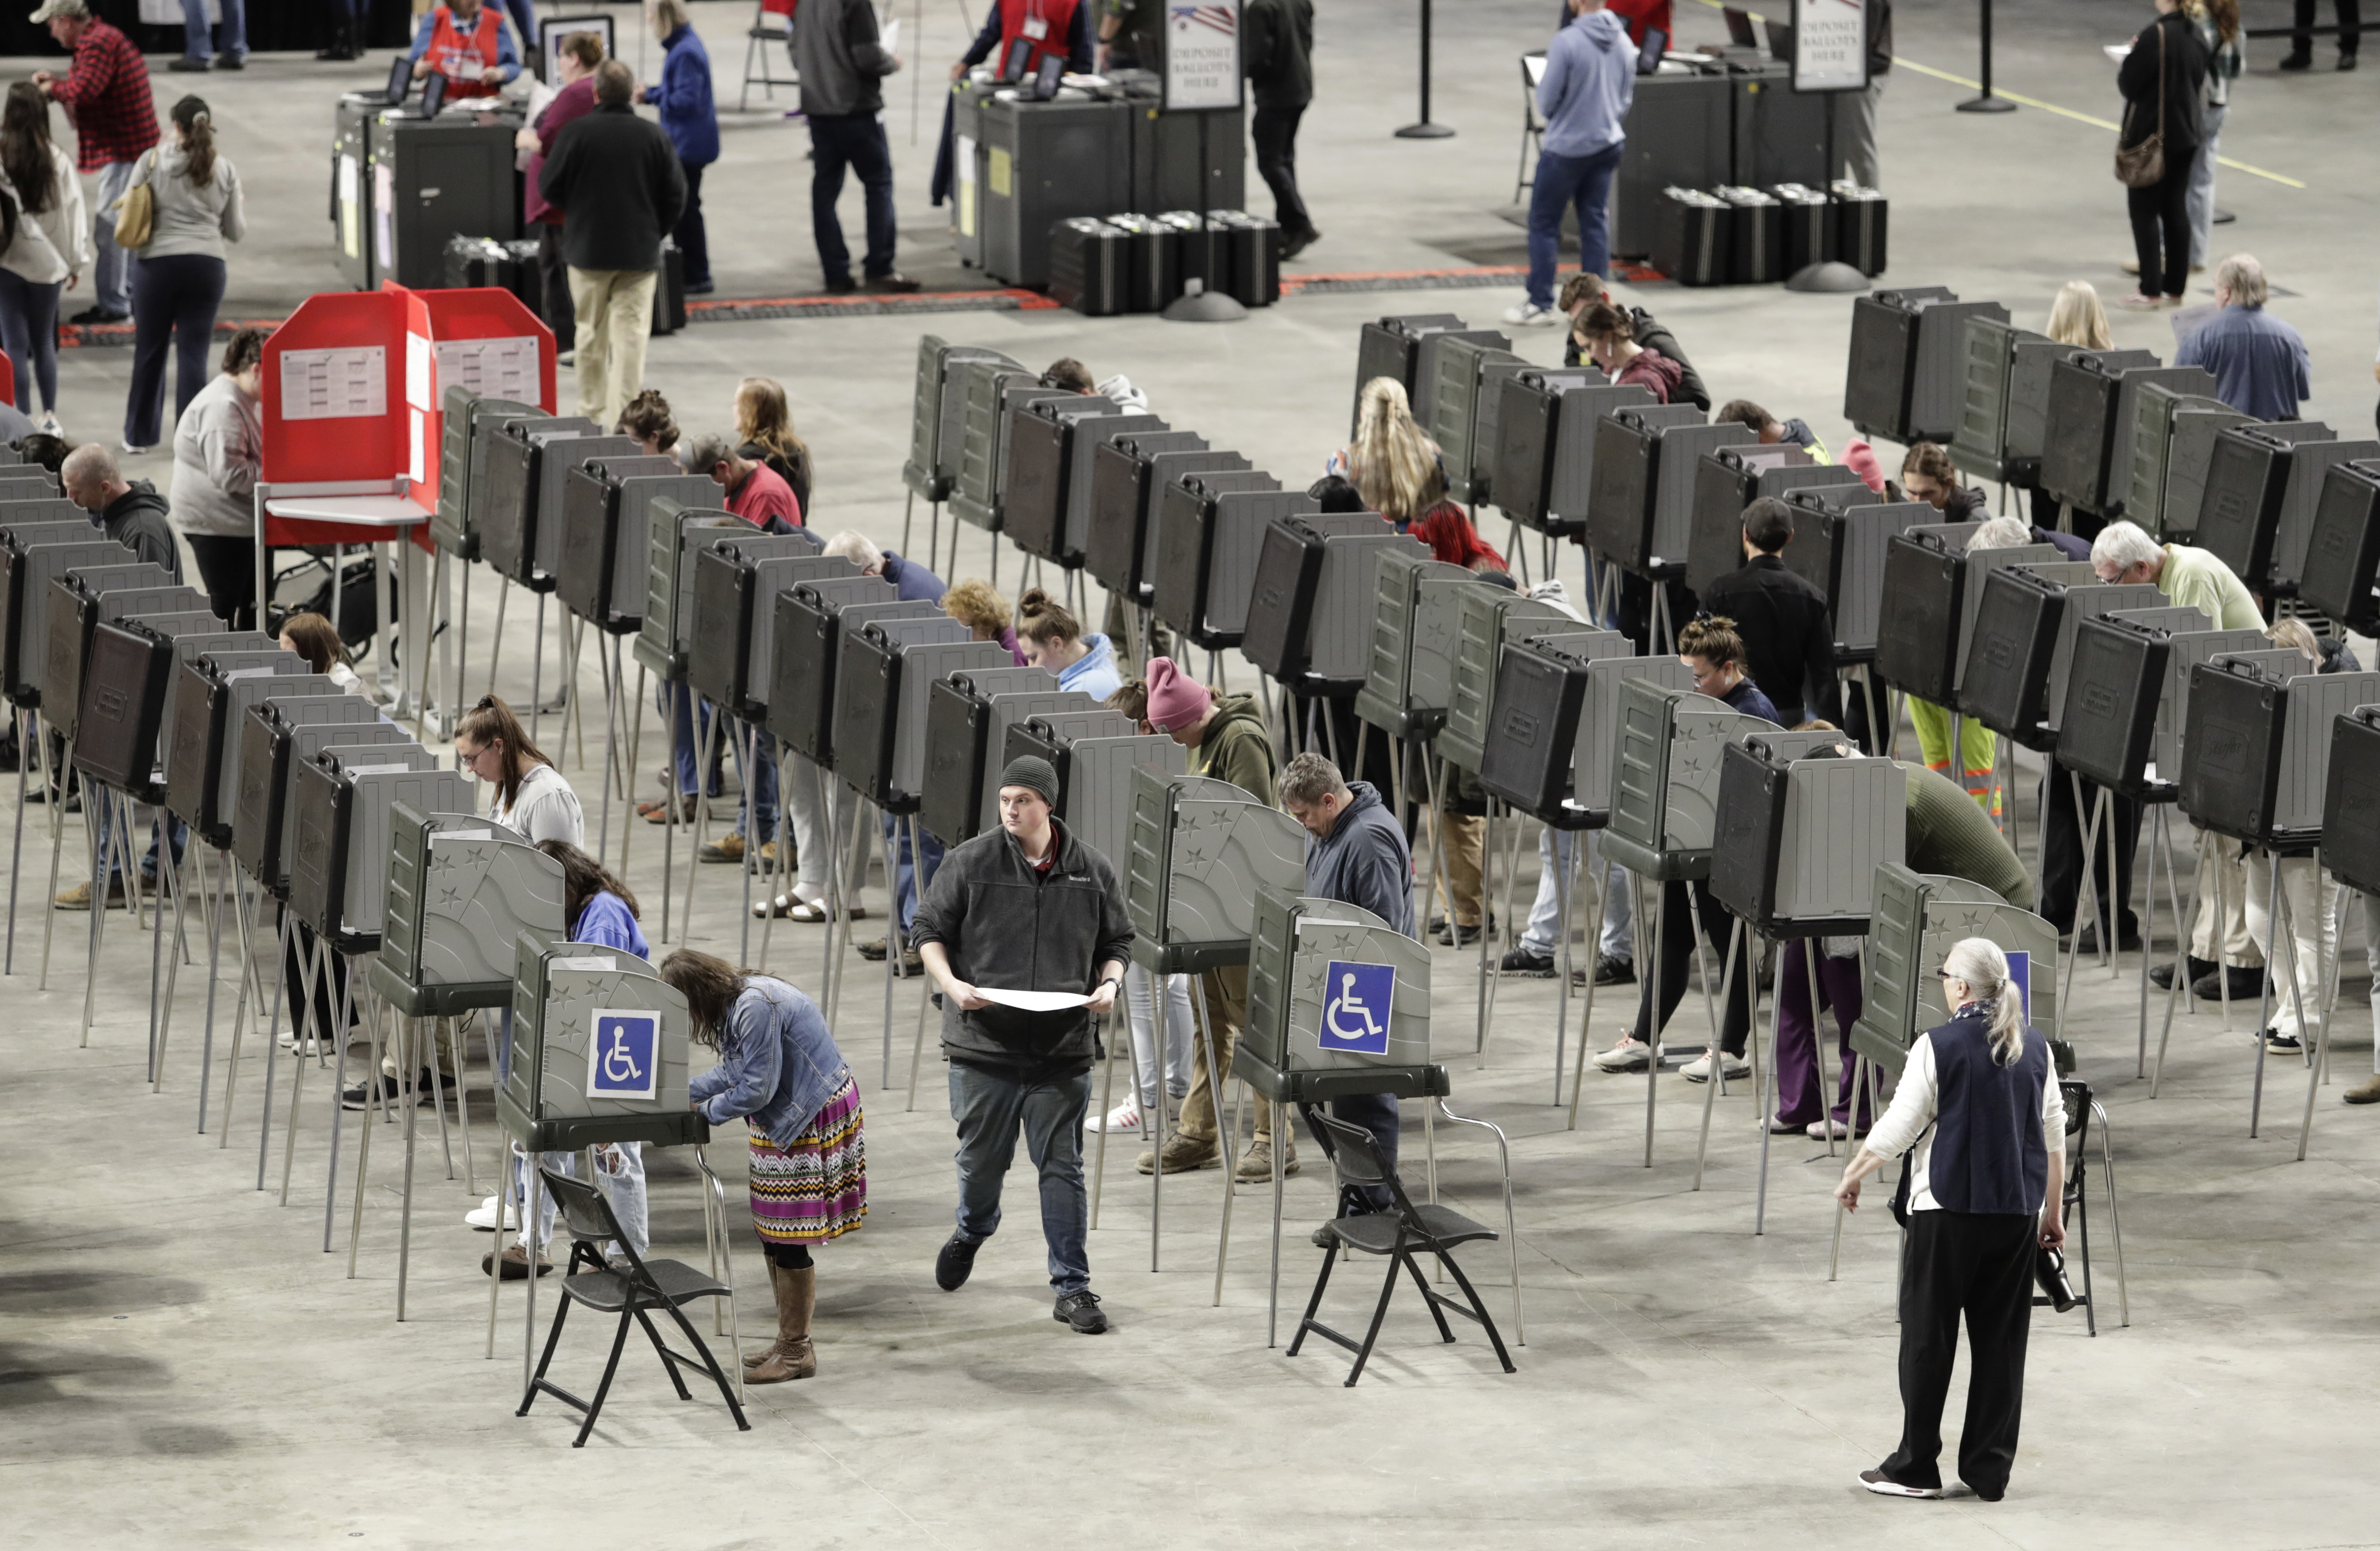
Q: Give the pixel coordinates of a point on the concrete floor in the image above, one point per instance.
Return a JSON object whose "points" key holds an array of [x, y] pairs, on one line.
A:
{"points": [[183, 1358]]}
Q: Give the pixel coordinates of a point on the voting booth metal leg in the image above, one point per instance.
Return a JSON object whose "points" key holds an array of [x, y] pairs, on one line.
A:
{"points": [[1227, 1136], [2115, 1219], [2089, 891], [100, 808], [1776, 1028], [784, 871], [272, 1041], [635, 717], [411, 1029], [1811, 948], [1600, 880], [338, 1085], [405, 1095], [536, 669], [723, 1265], [672, 798], [57, 791], [1565, 872], [161, 1001], [2181, 951], [496, 1250], [611, 758], [2320, 1067], [28, 750], [239, 1004], [1653, 1050], [926, 1000], [1107, 1096], [2148, 932], [1702, 973], [215, 902], [307, 1031], [1489, 972], [2264, 999], [750, 750], [1859, 1081], [1710, 1090], [708, 749], [893, 948], [1272, 1308]]}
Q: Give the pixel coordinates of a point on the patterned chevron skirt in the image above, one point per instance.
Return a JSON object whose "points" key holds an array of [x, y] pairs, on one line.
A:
{"points": [[817, 1188]]}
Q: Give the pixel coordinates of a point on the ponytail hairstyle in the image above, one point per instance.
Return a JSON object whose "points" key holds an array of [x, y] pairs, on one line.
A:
{"points": [[198, 128], [709, 986], [1979, 962], [583, 878], [492, 720], [1044, 621], [1395, 465]]}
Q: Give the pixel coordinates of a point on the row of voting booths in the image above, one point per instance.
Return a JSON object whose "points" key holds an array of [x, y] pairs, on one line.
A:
{"points": [[2154, 705]]}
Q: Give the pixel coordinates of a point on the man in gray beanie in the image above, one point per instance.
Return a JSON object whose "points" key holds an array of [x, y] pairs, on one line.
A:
{"points": [[1025, 908]]}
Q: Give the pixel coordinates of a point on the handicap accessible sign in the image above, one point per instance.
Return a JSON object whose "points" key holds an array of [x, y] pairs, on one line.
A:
{"points": [[2020, 977], [624, 1059], [1355, 1000]]}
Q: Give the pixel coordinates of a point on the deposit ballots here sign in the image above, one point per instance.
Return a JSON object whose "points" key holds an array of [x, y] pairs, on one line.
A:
{"points": [[1202, 56], [1829, 45]]}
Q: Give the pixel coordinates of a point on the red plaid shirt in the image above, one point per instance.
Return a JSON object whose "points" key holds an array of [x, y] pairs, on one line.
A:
{"points": [[107, 99]]}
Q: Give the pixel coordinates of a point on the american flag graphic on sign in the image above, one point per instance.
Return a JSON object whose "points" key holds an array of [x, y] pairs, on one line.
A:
{"points": [[1220, 18]]}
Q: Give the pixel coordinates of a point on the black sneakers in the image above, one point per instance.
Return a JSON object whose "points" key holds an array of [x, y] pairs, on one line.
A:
{"points": [[1080, 1310], [1527, 963], [1885, 1487], [955, 1264]]}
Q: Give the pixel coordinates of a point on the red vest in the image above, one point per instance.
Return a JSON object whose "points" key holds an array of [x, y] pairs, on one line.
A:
{"points": [[1057, 20], [460, 56]]}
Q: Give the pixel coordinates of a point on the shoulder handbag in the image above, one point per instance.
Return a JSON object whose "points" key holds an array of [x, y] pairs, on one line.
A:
{"points": [[135, 222], [2142, 164]]}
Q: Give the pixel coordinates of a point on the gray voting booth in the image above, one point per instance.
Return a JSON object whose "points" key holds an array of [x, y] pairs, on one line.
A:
{"points": [[462, 462], [1666, 760], [1489, 617], [876, 701], [1389, 698], [1311, 1035], [210, 714], [1199, 851], [935, 428], [34, 569], [461, 892], [1313, 599], [959, 740], [599, 1051], [1208, 534], [341, 802], [677, 532], [731, 638], [1916, 919], [1801, 832], [607, 533], [1098, 755]]}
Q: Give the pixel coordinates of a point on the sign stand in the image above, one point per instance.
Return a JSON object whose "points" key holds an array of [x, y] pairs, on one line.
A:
{"points": [[1829, 56], [1425, 130], [1986, 103], [1202, 72]]}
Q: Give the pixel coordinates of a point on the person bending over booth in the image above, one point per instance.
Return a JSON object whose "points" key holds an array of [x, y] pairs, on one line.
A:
{"points": [[780, 1072], [1715, 652], [1794, 432], [1026, 908]]}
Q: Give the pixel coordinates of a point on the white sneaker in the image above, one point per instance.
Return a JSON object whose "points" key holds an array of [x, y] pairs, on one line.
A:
{"points": [[484, 1219], [1828, 1130], [1698, 1069], [291, 1043], [1122, 1117], [1780, 1128], [50, 427], [1528, 315], [1626, 1056]]}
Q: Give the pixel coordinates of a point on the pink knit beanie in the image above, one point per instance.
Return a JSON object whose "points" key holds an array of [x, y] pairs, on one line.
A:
{"points": [[1175, 700]]}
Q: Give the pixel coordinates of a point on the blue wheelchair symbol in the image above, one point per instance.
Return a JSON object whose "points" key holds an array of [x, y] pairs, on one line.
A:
{"points": [[1356, 999], [624, 1061]]}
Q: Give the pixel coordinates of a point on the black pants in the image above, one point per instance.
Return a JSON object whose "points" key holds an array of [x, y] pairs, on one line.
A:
{"points": [[1376, 1112], [1980, 1265], [2061, 873], [296, 965], [692, 242], [2164, 205], [1274, 133], [554, 288], [853, 140], [227, 570], [174, 301], [2350, 18], [1677, 934]]}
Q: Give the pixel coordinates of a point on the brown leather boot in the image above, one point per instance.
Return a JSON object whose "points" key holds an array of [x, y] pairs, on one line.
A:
{"points": [[793, 1357], [758, 1355]]}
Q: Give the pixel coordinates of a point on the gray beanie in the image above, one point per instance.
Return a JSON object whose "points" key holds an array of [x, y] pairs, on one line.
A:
{"points": [[1031, 769]]}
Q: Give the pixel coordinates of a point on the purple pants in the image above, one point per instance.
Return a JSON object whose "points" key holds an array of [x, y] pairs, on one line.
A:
{"points": [[1798, 1083]]}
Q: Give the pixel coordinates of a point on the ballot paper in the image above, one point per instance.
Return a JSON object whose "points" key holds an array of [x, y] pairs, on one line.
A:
{"points": [[1033, 1001]]}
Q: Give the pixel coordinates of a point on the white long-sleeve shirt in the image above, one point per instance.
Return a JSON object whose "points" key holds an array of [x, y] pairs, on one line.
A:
{"points": [[544, 807], [1909, 1121]]}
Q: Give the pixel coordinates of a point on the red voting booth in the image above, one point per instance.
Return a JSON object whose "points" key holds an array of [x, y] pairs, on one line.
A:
{"points": [[353, 383]]}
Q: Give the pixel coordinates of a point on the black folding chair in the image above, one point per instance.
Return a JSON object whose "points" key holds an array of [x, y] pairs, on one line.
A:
{"points": [[1397, 1233], [2082, 1107], [630, 1289]]}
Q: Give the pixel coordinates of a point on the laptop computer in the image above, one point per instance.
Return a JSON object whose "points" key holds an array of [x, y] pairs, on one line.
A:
{"points": [[1739, 26], [1780, 40], [1649, 58]]}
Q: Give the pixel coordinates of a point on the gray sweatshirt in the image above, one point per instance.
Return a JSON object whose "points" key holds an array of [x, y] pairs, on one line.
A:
{"points": [[191, 218], [840, 58], [218, 451]]}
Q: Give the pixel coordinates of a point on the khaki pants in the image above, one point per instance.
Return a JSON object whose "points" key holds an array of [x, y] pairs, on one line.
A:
{"points": [[2223, 859], [1466, 841], [445, 1039], [615, 318], [2313, 896], [1226, 991]]}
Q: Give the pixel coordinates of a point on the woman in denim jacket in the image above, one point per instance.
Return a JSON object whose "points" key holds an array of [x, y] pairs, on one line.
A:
{"points": [[780, 1072]]}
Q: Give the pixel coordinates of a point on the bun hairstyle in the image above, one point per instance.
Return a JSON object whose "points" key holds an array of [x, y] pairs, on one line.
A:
{"points": [[1931, 461], [648, 416], [246, 349], [198, 128], [1603, 321], [487, 722], [1714, 640], [1043, 619], [1979, 962]]}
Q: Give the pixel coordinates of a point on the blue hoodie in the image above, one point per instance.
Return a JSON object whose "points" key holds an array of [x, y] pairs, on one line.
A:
{"points": [[1590, 80], [1094, 673], [1365, 861]]}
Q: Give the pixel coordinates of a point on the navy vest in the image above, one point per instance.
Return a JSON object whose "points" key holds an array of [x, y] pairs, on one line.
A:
{"points": [[1989, 1153]]}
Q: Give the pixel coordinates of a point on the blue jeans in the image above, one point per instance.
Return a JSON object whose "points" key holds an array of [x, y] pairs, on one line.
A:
{"points": [[235, 29], [855, 140], [760, 782], [2201, 198], [904, 865], [28, 331], [685, 747], [1564, 181], [111, 270], [990, 1107]]}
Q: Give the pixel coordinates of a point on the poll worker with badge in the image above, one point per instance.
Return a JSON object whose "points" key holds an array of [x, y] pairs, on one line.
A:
{"points": [[1023, 930], [1359, 857]]}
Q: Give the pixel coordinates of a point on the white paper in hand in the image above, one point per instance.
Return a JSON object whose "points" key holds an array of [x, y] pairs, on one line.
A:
{"points": [[1033, 1001]]}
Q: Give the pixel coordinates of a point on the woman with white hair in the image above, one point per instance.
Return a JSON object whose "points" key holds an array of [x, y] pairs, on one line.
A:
{"points": [[1979, 1112]]}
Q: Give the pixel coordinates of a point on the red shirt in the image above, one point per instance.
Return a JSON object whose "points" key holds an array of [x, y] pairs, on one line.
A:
{"points": [[105, 93], [1642, 14], [460, 56], [765, 501], [574, 101]]}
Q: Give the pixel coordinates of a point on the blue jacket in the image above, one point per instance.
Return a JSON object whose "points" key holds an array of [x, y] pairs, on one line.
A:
{"points": [[684, 97], [1365, 861], [1746, 698], [1590, 80], [2259, 362], [778, 1065], [1094, 673], [1990, 1155], [915, 582], [606, 920]]}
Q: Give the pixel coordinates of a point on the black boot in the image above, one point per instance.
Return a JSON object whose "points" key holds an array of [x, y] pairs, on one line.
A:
{"points": [[2161, 975]]}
